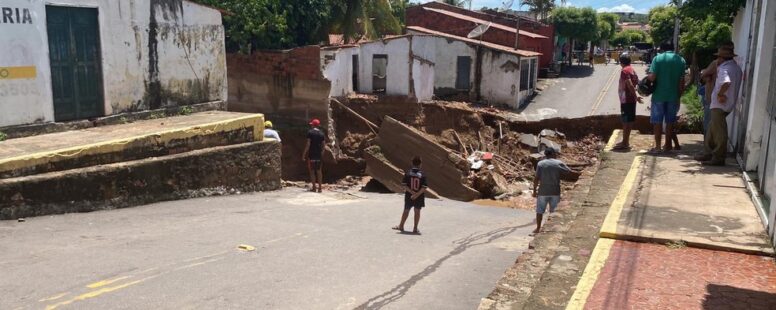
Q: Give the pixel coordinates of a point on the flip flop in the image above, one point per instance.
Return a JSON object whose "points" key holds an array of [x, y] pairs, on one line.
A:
{"points": [[620, 147], [397, 228], [416, 231], [655, 151]]}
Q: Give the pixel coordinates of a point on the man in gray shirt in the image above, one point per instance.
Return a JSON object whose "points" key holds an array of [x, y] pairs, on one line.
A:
{"points": [[547, 179]]}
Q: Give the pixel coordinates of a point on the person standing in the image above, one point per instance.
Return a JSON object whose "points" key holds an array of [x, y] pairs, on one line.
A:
{"points": [[628, 99], [415, 185], [269, 132], [546, 184], [313, 154], [723, 100], [667, 71]]}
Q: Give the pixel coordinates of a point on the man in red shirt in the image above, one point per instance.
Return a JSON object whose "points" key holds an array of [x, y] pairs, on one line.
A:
{"points": [[628, 99]]}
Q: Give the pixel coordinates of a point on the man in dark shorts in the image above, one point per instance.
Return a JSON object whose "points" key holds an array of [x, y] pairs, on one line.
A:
{"points": [[313, 153], [414, 194], [546, 184], [628, 99]]}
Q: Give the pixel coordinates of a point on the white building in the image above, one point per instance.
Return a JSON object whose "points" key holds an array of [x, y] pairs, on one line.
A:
{"points": [[64, 60], [753, 122], [425, 64]]}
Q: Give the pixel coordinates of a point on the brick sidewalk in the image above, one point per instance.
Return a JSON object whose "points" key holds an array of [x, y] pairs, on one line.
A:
{"points": [[650, 276]]}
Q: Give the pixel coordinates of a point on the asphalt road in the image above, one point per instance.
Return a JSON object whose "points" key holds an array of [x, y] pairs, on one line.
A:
{"points": [[312, 251], [582, 91]]}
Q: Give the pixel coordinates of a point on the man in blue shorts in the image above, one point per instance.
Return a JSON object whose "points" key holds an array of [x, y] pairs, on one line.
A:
{"points": [[415, 185], [667, 71], [546, 185]]}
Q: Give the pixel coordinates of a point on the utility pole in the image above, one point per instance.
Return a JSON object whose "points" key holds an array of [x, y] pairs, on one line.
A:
{"points": [[677, 25], [517, 31]]}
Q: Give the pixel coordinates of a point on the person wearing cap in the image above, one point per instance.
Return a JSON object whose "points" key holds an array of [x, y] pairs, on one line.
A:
{"points": [[269, 132], [546, 184], [723, 101], [313, 154]]}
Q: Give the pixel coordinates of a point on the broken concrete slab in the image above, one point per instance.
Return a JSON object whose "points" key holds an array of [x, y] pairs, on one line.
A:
{"points": [[529, 140], [552, 134], [387, 174], [446, 170], [545, 143]]}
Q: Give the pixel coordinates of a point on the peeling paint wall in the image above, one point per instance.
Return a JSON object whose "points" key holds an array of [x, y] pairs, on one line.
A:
{"points": [[337, 67], [398, 65], [500, 78], [155, 53], [447, 63], [424, 51]]}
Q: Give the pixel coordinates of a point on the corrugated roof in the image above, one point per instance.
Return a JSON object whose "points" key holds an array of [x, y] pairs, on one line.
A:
{"points": [[482, 21], [489, 45]]}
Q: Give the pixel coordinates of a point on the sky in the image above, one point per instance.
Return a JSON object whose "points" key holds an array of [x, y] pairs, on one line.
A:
{"points": [[640, 6]]}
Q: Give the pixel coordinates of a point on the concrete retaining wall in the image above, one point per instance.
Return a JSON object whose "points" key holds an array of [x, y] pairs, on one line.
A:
{"points": [[245, 167]]}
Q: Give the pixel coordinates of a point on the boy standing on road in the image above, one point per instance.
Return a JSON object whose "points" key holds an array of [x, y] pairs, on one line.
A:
{"points": [[313, 153], [546, 185], [628, 99], [414, 194]]}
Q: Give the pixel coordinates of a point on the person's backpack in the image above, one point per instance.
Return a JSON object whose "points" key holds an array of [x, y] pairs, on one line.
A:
{"points": [[646, 87]]}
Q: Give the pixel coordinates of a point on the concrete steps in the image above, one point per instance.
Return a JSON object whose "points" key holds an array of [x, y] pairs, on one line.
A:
{"points": [[131, 164]]}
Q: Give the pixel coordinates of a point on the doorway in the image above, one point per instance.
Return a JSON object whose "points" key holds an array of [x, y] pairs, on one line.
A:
{"points": [[74, 52]]}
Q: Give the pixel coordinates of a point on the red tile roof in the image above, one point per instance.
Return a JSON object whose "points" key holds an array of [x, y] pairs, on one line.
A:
{"points": [[489, 45], [482, 21]]}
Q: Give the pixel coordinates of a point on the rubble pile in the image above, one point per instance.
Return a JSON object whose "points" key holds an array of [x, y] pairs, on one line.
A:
{"points": [[468, 153]]}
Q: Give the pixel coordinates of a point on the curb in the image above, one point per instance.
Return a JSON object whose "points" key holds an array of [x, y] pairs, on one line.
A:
{"points": [[590, 276]]}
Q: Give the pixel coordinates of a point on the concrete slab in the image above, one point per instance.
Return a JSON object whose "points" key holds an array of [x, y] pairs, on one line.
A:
{"points": [[48, 149], [673, 197]]}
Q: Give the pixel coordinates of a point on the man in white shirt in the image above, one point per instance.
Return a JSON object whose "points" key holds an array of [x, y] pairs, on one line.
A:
{"points": [[723, 101], [269, 132]]}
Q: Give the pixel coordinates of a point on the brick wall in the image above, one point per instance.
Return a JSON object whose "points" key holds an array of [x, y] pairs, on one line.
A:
{"points": [[417, 16]]}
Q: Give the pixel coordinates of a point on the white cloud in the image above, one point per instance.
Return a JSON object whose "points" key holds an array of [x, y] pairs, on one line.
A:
{"points": [[622, 8]]}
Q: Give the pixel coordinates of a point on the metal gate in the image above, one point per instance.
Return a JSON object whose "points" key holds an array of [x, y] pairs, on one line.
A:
{"points": [[74, 51]]}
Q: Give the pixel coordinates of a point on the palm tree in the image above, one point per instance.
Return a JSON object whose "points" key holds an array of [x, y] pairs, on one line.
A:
{"points": [[540, 8], [357, 19]]}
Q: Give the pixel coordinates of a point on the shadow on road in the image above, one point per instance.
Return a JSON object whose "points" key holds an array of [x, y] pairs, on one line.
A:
{"points": [[400, 290], [577, 72]]}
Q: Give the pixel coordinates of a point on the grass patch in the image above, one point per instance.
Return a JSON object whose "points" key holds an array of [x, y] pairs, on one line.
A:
{"points": [[157, 115], [3, 136], [676, 244], [694, 106], [186, 110]]}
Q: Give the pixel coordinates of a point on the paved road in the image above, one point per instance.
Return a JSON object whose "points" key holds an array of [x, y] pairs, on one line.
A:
{"points": [[313, 251], [582, 91]]}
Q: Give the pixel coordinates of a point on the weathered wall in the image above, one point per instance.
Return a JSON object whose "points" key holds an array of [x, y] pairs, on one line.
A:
{"points": [[447, 64], [500, 78], [337, 67], [251, 166], [398, 51], [155, 53], [423, 66]]}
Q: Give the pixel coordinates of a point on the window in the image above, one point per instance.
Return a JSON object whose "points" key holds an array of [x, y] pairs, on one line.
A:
{"points": [[379, 73], [355, 73], [463, 73], [524, 75]]}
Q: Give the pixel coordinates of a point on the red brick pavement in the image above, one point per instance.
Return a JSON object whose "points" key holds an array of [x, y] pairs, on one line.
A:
{"points": [[649, 276]]}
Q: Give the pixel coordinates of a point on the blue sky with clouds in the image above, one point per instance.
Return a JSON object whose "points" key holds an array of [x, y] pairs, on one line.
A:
{"points": [[641, 6]]}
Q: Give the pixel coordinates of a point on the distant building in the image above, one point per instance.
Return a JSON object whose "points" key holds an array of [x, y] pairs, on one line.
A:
{"points": [[426, 64], [633, 26], [534, 36], [80, 59]]}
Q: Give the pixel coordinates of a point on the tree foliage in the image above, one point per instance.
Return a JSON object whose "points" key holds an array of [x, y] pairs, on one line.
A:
{"points": [[369, 19], [721, 10], [607, 25], [576, 23], [661, 22], [627, 37], [540, 8]]}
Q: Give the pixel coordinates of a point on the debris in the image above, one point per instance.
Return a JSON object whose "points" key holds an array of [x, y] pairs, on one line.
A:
{"points": [[399, 143], [374, 128], [387, 174], [552, 134], [529, 140], [246, 248], [490, 183], [545, 143], [21, 220]]}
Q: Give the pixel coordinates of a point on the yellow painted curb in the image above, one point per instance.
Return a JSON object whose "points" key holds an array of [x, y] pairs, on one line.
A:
{"points": [[255, 121], [609, 227], [590, 275], [613, 140]]}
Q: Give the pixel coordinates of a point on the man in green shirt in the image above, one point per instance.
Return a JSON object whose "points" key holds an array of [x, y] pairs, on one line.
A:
{"points": [[667, 71]]}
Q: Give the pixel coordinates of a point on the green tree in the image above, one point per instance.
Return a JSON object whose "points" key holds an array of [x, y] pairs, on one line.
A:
{"points": [[458, 3], [540, 8], [721, 10], [627, 37], [358, 19], [576, 23], [661, 22], [607, 26]]}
